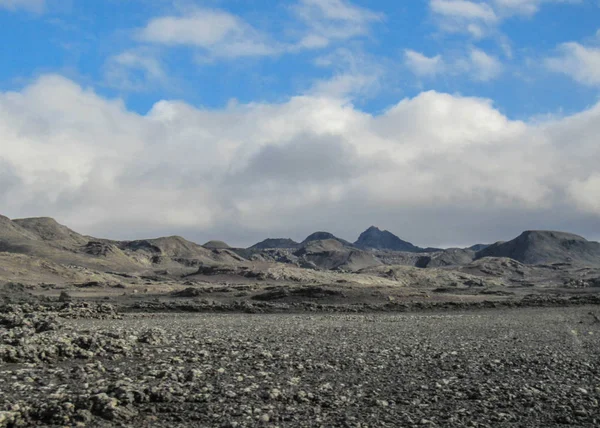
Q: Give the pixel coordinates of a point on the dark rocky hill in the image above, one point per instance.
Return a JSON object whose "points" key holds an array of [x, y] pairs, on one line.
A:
{"points": [[219, 245], [333, 254], [275, 243], [546, 247], [322, 236], [478, 247], [43, 240], [376, 239]]}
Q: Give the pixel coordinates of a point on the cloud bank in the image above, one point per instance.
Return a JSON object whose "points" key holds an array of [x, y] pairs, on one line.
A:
{"points": [[436, 169]]}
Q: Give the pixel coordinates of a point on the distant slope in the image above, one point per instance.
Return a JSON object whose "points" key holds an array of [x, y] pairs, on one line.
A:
{"points": [[322, 236], [332, 254], [45, 239], [537, 247], [49, 230], [13, 236], [450, 257], [219, 245], [377, 239], [180, 250], [176, 246], [478, 247], [275, 243]]}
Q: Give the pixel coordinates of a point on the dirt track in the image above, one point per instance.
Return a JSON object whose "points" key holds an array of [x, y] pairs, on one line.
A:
{"points": [[500, 367]]}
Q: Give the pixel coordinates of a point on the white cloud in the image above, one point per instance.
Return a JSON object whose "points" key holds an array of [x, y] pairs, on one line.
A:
{"points": [[224, 35], [354, 74], [585, 193], [463, 9], [217, 31], [480, 18], [477, 65], [331, 20], [434, 168], [31, 5], [134, 71], [422, 65], [462, 16], [508, 8], [580, 62], [485, 67], [520, 7]]}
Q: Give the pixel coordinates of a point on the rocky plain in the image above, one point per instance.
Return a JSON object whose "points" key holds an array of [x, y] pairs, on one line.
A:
{"points": [[323, 333]]}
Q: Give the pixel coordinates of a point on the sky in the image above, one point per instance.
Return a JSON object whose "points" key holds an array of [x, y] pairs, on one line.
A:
{"points": [[447, 122]]}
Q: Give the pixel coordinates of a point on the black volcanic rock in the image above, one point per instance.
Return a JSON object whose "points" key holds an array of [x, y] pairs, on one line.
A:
{"points": [[375, 238], [275, 243], [323, 236], [546, 247]]}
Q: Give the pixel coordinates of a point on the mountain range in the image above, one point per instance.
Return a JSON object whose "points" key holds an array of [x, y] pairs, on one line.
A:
{"points": [[371, 239], [43, 248]]}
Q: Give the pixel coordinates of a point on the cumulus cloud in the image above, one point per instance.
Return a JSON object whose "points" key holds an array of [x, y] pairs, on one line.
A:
{"points": [[580, 62], [436, 168], [30, 5]]}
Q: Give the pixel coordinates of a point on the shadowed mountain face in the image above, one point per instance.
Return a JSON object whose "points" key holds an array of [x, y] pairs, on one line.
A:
{"points": [[374, 238], [539, 247]]}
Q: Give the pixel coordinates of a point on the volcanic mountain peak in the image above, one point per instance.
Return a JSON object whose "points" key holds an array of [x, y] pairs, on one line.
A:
{"points": [[322, 236], [275, 243], [375, 238], [216, 245]]}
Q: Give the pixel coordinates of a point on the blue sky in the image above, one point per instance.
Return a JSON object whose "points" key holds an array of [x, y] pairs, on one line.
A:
{"points": [[493, 100], [83, 40]]}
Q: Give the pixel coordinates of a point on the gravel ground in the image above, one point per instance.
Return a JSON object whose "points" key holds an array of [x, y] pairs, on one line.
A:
{"points": [[86, 365]]}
